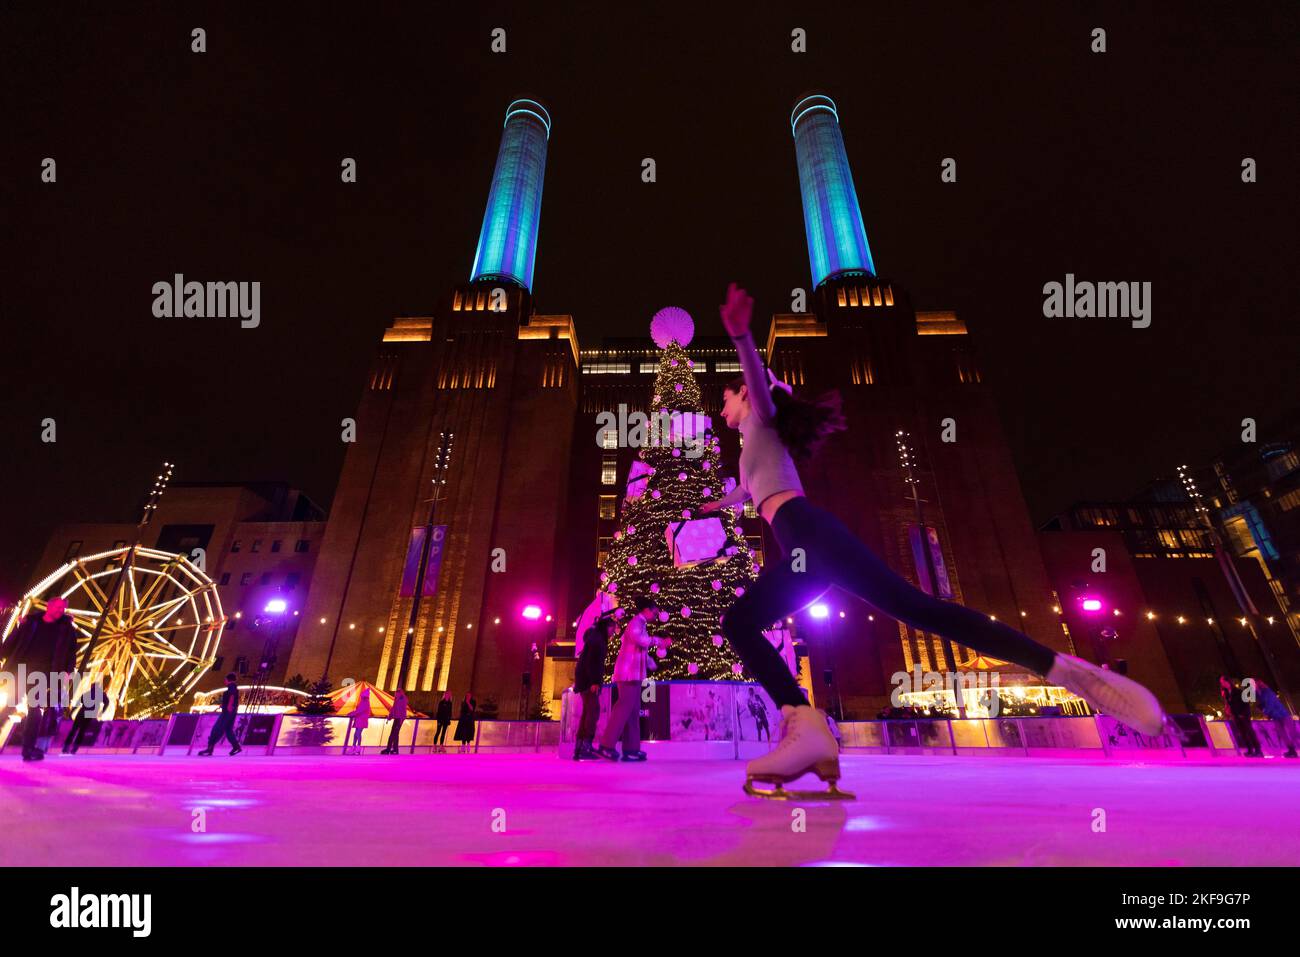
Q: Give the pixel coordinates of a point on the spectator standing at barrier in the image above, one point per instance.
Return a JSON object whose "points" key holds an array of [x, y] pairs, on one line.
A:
{"points": [[759, 711], [398, 715], [226, 719], [444, 722], [1276, 712], [360, 719], [1238, 712], [465, 722]]}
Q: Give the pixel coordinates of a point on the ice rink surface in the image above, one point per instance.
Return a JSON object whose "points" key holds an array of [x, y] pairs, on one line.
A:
{"points": [[504, 810]]}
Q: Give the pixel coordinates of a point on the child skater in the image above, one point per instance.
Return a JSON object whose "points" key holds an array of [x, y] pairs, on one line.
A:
{"points": [[778, 429]]}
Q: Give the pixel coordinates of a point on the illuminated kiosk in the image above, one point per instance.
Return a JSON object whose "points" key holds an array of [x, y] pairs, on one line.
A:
{"points": [[160, 633]]}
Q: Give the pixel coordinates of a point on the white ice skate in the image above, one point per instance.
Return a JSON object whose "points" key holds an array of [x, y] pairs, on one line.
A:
{"points": [[1109, 692], [806, 746]]}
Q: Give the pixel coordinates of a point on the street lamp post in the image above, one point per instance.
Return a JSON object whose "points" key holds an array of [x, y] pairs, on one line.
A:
{"points": [[273, 617]]}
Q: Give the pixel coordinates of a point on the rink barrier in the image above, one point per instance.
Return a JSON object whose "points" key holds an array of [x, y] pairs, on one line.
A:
{"points": [[269, 734], [187, 733]]}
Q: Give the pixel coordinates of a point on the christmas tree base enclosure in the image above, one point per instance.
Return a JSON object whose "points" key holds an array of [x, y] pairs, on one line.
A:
{"points": [[513, 809]]}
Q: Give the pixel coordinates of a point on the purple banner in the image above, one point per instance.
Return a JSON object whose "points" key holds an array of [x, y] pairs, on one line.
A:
{"points": [[411, 571], [936, 558]]}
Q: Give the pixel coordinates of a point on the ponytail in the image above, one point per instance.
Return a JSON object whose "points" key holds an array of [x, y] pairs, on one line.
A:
{"points": [[803, 424]]}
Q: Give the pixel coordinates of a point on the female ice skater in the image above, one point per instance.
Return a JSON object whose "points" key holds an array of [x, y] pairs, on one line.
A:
{"points": [[778, 429]]}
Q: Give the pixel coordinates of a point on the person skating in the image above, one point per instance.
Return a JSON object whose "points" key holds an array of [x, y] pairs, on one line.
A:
{"points": [[1276, 712], [226, 719], [630, 670], [777, 429], [588, 676], [46, 643], [1238, 708], [360, 721], [397, 714], [92, 707], [465, 721], [444, 722]]}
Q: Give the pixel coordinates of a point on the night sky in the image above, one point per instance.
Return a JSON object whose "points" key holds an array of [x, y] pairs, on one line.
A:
{"points": [[225, 165]]}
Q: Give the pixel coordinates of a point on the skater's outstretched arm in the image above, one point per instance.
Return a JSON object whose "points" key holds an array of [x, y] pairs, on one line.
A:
{"points": [[737, 314], [734, 497]]}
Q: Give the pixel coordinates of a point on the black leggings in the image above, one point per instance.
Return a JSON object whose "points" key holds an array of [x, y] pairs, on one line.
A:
{"points": [[833, 556]]}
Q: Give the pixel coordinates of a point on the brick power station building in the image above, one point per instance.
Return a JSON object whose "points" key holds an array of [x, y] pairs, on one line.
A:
{"points": [[489, 406], [479, 421]]}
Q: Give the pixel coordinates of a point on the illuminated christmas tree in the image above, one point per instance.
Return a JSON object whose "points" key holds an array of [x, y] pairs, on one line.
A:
{"points": [[676, 472]]}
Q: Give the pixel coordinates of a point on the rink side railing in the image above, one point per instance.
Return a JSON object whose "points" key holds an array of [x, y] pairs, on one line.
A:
{"points": [[269, 734]]}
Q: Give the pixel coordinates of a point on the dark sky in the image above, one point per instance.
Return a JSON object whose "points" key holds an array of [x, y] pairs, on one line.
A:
{"points": [[225, 166]]}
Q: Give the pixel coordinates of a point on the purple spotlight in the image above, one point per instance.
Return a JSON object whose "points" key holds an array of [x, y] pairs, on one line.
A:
{"points": [[819, 610], [532, 612], [276, 606], [1092, 604]]}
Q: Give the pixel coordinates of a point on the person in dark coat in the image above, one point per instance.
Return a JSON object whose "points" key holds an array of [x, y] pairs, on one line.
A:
{"points": [[91, 708], [444, 721], [588, 676], [45, 644], [396, 714], [1276, 712], [465, 722], [1238, 709], [226, 720]]}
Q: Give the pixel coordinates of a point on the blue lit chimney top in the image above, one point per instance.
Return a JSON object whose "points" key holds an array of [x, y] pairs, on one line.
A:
{"points": [[507, 244], [837, 240]]}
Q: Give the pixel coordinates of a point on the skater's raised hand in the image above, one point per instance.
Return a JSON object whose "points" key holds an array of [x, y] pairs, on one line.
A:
{"points": [[737, 311]]}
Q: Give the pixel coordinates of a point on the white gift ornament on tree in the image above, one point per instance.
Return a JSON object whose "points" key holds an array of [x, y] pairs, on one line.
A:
{"points": [[637, 477], [695, 542]]}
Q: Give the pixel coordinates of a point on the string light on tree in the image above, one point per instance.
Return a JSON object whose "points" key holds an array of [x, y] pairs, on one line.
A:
{"points": [[666, 487]]}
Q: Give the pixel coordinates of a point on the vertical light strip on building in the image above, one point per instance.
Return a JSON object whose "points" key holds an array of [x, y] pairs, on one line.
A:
{"points": [[837, 240], [507, 244]]}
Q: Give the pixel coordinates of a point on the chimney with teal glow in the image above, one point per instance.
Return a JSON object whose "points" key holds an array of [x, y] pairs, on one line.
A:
{"points": [[837, 240], [507, 244]]}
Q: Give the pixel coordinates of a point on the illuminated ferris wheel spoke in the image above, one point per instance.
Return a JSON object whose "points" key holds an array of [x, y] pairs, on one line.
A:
{"points": [[148, 597], [91, 588]]}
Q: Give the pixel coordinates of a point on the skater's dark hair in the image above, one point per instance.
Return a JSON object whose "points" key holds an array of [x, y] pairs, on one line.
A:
{"points": [[232, 677], [644, 602], [803, 424]]}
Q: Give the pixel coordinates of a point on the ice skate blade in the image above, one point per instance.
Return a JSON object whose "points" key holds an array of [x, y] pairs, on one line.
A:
{"points": [[827, 771], [779, 793]]}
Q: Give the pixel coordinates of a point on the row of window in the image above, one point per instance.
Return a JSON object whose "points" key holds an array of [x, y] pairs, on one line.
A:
{"points": [[650, 368], [608, 507], [290, 580], [864, 296], [301, 545]]}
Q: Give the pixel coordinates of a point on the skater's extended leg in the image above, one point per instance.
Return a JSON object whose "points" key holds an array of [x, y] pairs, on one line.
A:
{"points": [[806, 745], [779, 591], [834, 553]]}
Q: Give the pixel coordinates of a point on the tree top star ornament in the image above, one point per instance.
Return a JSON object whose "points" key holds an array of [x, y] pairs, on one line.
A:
{"points": [[672, 324]]}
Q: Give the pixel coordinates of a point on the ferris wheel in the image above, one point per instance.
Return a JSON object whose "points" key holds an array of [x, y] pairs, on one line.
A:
{"points": [[162, 623]]}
